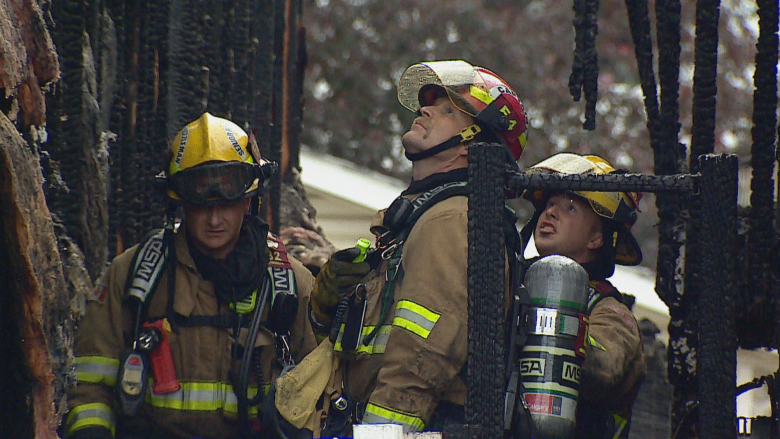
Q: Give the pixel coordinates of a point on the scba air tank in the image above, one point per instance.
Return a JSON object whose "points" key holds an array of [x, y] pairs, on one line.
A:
{"points": [[550, 361]]}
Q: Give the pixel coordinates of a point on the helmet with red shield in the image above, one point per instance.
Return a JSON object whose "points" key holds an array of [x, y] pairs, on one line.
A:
{"points": [[498, 113]]}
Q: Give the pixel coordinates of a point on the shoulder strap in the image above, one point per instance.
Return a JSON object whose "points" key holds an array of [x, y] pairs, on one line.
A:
{"points": [[149, 261], [284, 296], [426, 200], [420, 204], [147, 265], [600, 289]]}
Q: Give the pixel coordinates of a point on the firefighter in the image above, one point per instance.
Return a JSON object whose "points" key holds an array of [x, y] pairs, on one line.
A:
{"points": [[403, 358], [190, 355], [594, 229]]}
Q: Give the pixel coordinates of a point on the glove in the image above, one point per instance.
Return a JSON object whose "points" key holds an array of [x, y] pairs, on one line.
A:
{"points": [[336, 278]]}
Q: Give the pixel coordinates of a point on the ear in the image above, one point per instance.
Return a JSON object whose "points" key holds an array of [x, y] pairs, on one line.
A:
{"points": [[596, 240], [247, 202]]}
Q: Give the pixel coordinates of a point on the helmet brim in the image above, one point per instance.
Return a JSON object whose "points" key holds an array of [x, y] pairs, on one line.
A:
{"points": [[627, 250], [453, 76]]}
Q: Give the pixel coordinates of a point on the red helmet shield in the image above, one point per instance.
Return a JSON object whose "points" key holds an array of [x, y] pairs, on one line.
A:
{"points": [[475, 91]]}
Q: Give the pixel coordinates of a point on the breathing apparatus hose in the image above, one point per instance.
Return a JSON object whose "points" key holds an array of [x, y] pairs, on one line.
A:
{"points": [[242, 385], [169, 238], [338, 319]]}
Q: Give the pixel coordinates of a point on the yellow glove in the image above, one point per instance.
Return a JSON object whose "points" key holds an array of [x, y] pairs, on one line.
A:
{"points": [[336, 278]]}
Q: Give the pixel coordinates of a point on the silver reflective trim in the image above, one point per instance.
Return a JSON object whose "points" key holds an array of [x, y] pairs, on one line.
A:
{"points": [[414, 318]]}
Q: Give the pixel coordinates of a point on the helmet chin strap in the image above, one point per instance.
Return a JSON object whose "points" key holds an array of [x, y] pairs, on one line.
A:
{"points": [[464, 135]]}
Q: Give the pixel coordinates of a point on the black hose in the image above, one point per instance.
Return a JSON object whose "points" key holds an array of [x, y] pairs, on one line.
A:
{"points": [[338, 319], [242, 385]]}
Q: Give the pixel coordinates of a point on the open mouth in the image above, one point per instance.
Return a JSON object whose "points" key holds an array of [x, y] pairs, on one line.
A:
{"points": [[546, 227]]}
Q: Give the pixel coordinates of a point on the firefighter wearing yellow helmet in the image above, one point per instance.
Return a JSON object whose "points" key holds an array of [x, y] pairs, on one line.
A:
{"points": [[594, 229], [212, 161], [161, 356], [620, 208]]}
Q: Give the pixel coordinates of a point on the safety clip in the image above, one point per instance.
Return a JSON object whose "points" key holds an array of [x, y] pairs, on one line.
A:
{"points": [[388, 252], [469, 133]]}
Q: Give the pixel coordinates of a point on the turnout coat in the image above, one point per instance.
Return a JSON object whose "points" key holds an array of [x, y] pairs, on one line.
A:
{"points": [[205, 406]]}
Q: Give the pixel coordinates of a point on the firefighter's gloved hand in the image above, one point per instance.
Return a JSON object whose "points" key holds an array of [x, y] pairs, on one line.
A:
{"points": [[337, 277]]}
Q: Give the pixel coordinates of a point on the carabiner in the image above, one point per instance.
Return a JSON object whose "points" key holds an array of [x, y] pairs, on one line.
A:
{"points": [[388, 252]]}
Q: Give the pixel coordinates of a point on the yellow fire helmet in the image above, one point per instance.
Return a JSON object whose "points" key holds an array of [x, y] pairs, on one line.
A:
{"points": [[213, 160], [621, 207]]}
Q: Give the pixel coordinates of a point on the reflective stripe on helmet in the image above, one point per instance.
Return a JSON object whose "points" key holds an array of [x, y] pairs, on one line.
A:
{"points": [[481, 94]]}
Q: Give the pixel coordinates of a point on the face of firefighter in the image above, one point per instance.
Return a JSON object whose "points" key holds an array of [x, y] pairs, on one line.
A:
{"points": [[215, 229], [435, 124], [568, 226]]}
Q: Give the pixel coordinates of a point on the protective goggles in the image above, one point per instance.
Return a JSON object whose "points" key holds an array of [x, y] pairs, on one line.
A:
{"points": [[220, 182]]}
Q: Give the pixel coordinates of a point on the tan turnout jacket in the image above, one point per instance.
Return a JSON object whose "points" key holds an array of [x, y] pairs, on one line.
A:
{"points": [[420, 348], [206, 405], [614, 366]]}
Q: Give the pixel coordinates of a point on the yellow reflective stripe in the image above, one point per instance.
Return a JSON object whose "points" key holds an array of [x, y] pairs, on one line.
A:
{"points": [[595, 343], [415, 318], [94, 414], [480, 94], [376, 414], [418, 309], [96, 369], [200, 396], [620, 424], [377, 345]]}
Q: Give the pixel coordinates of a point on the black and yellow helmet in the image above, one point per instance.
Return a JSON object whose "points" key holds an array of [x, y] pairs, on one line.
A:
{"points": [[213, 160], [620, 207]]}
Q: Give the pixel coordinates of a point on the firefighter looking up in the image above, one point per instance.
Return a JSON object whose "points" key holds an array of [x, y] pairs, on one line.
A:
{"points": [[190, 356], [594, 229], [403, 362]]}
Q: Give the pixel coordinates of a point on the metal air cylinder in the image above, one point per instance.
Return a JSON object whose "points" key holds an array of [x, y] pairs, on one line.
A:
{"points": [[551, 358]]}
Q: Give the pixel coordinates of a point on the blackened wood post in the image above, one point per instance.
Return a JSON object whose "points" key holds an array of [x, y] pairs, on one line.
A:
{"points": [[710, 269], [485, 365]]}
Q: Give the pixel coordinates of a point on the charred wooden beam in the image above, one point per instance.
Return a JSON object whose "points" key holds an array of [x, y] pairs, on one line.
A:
{"points": [[39, 289]]}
